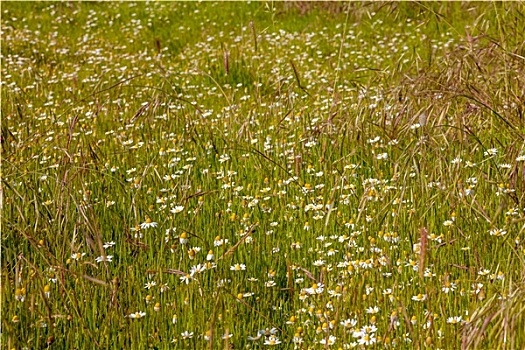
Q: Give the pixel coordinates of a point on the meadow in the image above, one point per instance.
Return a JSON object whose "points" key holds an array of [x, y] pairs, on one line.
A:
{"points": [[295, 175]]}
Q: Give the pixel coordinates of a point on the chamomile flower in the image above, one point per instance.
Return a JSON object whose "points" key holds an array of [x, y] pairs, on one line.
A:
{"points": [[238, 267], [108, 244], [454, 319], [177, 209], [490, 152], [156, 308], [328, 341], [186, 335], [270, 284], [419, 297], [497, 232], [219, 241], [226, 336], [372, 310], [148, 223], [77, 256], [319, 262], [272, 340], [102, 258], [348, 323], [448, 287], [138, 314], [186, 278], [47, 290], [317, 288], [150, 284]]}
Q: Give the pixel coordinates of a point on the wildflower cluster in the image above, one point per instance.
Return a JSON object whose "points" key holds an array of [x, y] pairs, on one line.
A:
{"points": [[253, 184]]}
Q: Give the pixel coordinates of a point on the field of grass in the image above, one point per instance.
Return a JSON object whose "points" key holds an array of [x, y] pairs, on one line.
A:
{"points": [[251, 175]]}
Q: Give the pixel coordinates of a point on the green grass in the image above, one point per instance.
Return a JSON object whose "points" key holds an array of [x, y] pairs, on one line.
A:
{"points": [[318, 144]]}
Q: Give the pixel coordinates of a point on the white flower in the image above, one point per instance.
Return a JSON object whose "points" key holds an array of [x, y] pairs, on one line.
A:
{"points": [[147, 224], [224, 158], [330, 341], [497, 232], [272, 340], [210, 255], [164, 287], [238, 267], [138, 314], [367, 339], [177, 209], [374, 140], [269, 284], [104, 258], [186, 335], [454, 319], [317, 288], [77, 256], [186, 278], [419, 297], [197, 269], [372, 310], [108, 244], [349, 323], [491, 152], [150, 284], [218, 241], [368, 329], [448, 287]]}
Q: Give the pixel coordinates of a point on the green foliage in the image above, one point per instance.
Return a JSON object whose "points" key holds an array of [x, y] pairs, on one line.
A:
{"points": [[297, 174]]}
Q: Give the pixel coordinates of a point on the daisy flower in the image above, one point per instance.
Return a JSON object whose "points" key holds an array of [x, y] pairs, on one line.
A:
{"points": [[497, 232], [330, 341], [177, 209], [150, 284], [454, 319], [367, 339], [138, 314], [419, 297], [449, 287], [372, 310], [348, 323], [148, 223], [108, 244], [186, 278], [104, 258], [269, 284], [77, 256], [210, 255], [491, 152], [238, 267], [186, 335], [272, 340], [317, 288]]}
